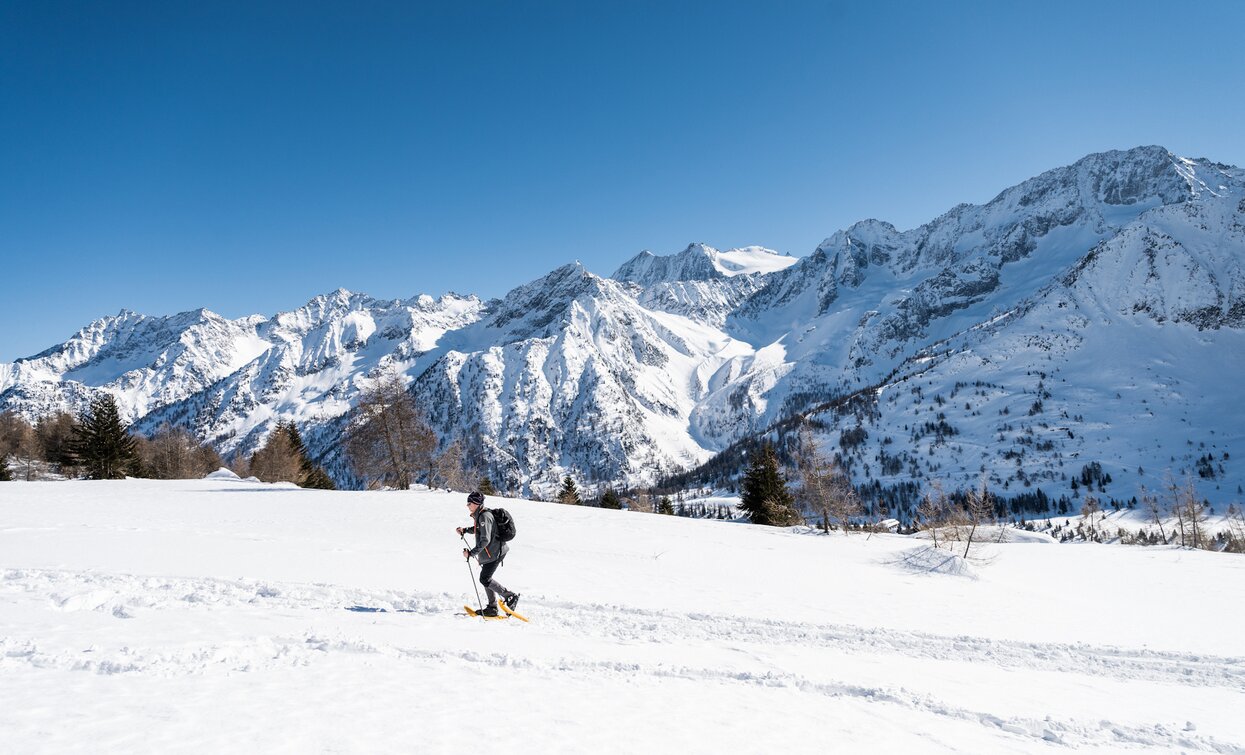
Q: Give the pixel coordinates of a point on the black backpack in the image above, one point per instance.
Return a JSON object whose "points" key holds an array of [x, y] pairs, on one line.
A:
{"points": [[505, 524]]}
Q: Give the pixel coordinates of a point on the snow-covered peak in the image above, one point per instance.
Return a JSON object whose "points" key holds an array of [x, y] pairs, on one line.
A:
{"points": [[125, 337], [677, 356], [1047, 222], [143, 361], [694, 263], [700, 262], [530, 308], [752, 260], [318, 311]]}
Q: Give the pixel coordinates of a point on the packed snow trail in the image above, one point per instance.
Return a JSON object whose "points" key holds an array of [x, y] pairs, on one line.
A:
{"points": [[126, 596], [110, 639]]}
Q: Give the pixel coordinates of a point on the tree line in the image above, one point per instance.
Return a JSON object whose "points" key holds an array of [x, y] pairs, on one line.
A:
{"points": [[96, 445], [388, 443]]}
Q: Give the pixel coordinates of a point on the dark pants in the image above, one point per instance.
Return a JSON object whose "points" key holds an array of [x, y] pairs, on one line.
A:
{"points": [[491, 586]]}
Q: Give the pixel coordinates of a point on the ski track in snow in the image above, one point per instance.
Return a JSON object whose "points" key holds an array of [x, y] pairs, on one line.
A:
{"points": [[126, 597]]}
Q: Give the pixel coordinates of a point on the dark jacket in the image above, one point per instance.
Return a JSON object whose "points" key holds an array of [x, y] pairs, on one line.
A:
{"points": [[488, 548]]}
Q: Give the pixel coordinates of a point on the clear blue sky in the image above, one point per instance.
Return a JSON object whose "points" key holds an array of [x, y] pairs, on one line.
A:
{"points": [[167, 156]]}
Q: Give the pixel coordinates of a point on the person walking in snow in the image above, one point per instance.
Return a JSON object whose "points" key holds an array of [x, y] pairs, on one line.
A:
{"points": [[489, 552]]}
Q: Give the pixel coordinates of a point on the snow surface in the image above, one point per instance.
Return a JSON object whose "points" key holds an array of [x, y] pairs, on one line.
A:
{"points": [[225, 615], [752, 259]]}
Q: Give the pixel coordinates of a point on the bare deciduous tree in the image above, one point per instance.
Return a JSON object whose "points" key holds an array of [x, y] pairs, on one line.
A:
{"points": [[27, 453], [388, 442], [451, 471], [11, 428], [17, 440], [1190, 513], [934, 511], [642, 502], [240, 465], [278, 460], [1152, 506], [978, 510], [1236, 530], [949, 523], [824, 488], [174, 454], [1089, 513]]}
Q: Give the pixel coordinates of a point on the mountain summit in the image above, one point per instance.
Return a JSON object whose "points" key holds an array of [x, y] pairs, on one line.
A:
{"points": [[1091, 314]]}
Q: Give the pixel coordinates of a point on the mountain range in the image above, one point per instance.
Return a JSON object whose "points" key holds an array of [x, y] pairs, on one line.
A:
{"points": [[1084, 326]]}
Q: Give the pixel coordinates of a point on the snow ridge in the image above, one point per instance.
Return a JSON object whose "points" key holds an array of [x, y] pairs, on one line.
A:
{"points": [[673, 358]]}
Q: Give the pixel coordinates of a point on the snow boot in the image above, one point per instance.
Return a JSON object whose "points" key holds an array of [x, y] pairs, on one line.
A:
{"points": [[512, 601], [489, 610]]}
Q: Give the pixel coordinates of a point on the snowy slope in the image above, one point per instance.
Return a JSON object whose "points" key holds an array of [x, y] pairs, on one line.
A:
{"points": [[308, 373], [1131, 359], [218, 615], [1120, 270], [143, 361], [571, 373], [701, 262], [871, 296], [700, 282]]}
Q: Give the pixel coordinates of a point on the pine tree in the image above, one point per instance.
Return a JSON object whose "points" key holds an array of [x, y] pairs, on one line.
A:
{"points": [[610, 500], [101, 444], [4, 469], [765, 498], [312, 475], [486, 487], [319, 479], [285, 458], [569, 493], [665, 506]]}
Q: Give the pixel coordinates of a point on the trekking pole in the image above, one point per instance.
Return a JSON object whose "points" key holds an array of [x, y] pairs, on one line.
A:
{"points": [[473, 575]]}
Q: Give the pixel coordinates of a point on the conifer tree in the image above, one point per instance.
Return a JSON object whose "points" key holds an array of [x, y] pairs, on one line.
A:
{"points": [[486, 487], [55, 435], [665, 506], [610, 500], [4, 469], [312, 475], [285, 448], [319, 479], [765, 498], [569, 493], [101, 444]]}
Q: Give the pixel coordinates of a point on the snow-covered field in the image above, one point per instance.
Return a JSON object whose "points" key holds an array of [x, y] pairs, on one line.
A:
{"points": [[227, 616]]}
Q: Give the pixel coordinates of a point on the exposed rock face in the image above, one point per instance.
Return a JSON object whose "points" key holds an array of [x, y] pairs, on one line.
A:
{"points": [[674, 357]]}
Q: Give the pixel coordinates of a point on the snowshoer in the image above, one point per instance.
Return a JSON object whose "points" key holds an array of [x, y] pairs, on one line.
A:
{"points": [[489, 552]]}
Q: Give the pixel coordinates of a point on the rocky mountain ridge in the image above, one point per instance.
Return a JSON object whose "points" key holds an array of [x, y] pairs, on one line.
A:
{"points": [[673, 358]]}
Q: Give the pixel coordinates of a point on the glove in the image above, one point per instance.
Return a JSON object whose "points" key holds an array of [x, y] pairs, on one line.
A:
{"points": [[466, 553], [459, 530]]}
